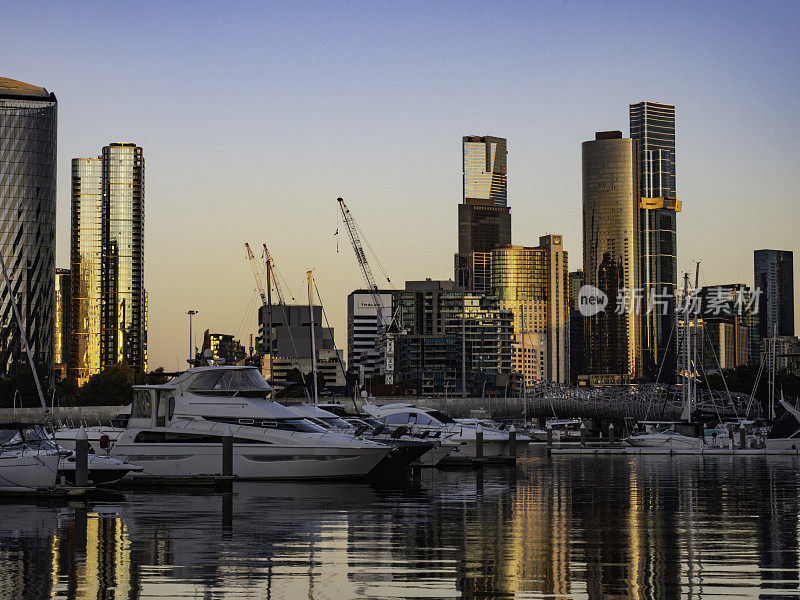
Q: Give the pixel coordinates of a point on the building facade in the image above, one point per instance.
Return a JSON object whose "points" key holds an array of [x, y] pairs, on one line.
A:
{"points": [[534, 284], [85, 251], [774, 276], [62, 319], [123, 336], [611, 253], [225, 348], [452, 341], [652, 127], [109, 305], [28, 119], [290, 345], [365, 357], [485, 169]]}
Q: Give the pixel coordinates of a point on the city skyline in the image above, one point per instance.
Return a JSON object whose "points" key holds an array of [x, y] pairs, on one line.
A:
{"points": [[285, 190]]}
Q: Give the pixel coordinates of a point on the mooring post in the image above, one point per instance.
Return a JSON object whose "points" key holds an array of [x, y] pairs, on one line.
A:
{"points": [[479, 442], [610, 434], [549, 429], [512, 442], [742, 437], [583, 435], [81, 458], [227, 452]]}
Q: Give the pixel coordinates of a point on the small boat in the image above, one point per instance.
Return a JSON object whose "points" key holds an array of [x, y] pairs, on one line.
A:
{"points": [[100, 437], [784, 433], [663, 437], [26, 463], [436, 423]]}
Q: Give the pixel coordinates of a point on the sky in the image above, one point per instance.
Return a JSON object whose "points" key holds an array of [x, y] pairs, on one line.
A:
{"points": [[255, 117]]}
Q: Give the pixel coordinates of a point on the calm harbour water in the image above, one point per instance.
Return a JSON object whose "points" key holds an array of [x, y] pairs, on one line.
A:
{"points": [[566, 527]]}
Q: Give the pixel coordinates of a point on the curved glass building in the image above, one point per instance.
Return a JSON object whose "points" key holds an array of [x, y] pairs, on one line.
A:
{"points": [[28, 117]]}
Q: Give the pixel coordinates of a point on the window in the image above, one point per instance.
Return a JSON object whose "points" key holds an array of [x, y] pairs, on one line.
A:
{"points": [[397, 419]]}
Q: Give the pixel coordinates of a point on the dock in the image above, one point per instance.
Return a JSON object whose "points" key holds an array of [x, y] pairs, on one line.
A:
{"points": [[634, 450]]}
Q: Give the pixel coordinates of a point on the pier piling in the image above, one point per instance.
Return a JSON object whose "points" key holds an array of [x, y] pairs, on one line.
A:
{"points": [[611, 434], [479, 442], [512, 442], [583, 435], [81, 459], [227, 452]]}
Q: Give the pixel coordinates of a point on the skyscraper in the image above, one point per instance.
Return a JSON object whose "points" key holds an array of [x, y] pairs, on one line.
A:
{"points": [[484, 219], [85, 245], [774, 276], [653, 128], [364, 356], [122, 334], [109, 322], [611, 253], [28, 116]]}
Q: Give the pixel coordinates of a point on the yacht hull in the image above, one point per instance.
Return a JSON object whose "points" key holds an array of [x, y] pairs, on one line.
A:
{"points": [[251, 461], [27, 471], [664, 441]]}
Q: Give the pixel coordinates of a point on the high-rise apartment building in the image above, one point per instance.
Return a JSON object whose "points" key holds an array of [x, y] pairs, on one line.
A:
{"points": [[109, 322], [533, 284], [577, 339], [611, 254], [774, 276], [85, 249], [452, 341], [484, 219], [28, 116], [652, 127], [62, 319]]}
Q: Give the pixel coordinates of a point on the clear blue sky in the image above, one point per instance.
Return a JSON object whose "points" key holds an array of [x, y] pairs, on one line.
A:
{"points": [[255, 118]]}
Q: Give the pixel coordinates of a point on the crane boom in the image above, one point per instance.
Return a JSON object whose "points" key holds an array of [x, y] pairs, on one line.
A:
{"points": [[259, 283], [271, 274], [384, 340]]}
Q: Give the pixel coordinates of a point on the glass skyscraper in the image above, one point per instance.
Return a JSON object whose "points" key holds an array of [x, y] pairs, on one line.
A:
{"points": [[611, 253], [773, 272], [484, 218], [109, 323], [653, 128], [28, 116]]}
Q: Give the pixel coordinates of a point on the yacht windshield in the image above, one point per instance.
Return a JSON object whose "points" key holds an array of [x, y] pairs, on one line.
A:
{"points": [[441, 417], [230, 380], [336, 422], [24, 436]]}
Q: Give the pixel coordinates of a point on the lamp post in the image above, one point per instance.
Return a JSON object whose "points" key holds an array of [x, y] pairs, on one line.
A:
{"points": [[191, 313]]}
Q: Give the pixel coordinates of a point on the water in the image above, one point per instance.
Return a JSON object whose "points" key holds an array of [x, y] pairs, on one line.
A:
{"points": [[566, 527]]}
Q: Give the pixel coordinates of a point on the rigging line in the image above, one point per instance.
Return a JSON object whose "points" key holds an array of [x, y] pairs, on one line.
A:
{"points": [[372, 251], [248, 311], [294, 349], [336, 350], [724, 381]]}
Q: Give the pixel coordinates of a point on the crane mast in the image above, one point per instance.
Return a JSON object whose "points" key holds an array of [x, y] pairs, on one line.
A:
{"points": [[266, 299], [386, 349]]}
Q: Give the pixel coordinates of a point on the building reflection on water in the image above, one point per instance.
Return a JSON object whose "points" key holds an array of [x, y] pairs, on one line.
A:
{"points": [[603, 527]]}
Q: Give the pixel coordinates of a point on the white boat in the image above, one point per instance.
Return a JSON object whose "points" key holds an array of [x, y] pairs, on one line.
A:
{"points": [[176, 429], [439, 425], [421, 450], [664, 438], [784, 433], [26, 465]]}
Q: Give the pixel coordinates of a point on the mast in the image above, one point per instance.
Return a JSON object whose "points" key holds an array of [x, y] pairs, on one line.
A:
{"points": [[313, 340], [686, 393], [269, 318], [524, 379]]}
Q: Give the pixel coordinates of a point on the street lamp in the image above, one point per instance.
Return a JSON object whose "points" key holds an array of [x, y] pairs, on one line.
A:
{"points": [[191, 313]]}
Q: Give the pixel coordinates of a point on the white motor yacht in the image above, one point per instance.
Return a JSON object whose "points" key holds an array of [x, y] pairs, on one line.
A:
{"points": [[665, 437], [176, 429], [417, 419], [26, 464]]}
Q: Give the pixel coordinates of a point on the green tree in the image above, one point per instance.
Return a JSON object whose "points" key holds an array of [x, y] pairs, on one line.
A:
{"points": [[109, 387]]}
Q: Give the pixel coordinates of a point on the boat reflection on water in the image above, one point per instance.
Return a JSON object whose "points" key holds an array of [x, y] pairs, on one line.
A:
{"points": [[601, 527]]}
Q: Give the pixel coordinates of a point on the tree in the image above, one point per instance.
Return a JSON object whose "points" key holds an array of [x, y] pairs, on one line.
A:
{"points": [[109, 387], [742, 378]]}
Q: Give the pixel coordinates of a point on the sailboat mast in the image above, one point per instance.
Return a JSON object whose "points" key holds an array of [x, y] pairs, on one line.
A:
{"points": [[313, 340]]}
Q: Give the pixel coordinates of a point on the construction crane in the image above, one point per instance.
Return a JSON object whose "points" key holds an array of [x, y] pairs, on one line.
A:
{"points": [[366, 271]]}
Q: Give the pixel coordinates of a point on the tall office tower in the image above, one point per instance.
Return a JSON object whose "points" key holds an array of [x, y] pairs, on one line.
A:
{"points": [[774, 276], [122, 332], [62, 318], [611, 254], [28, 116], [364, 358], [653, 128], [484, 219], [85, 245], [533, 284]]}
